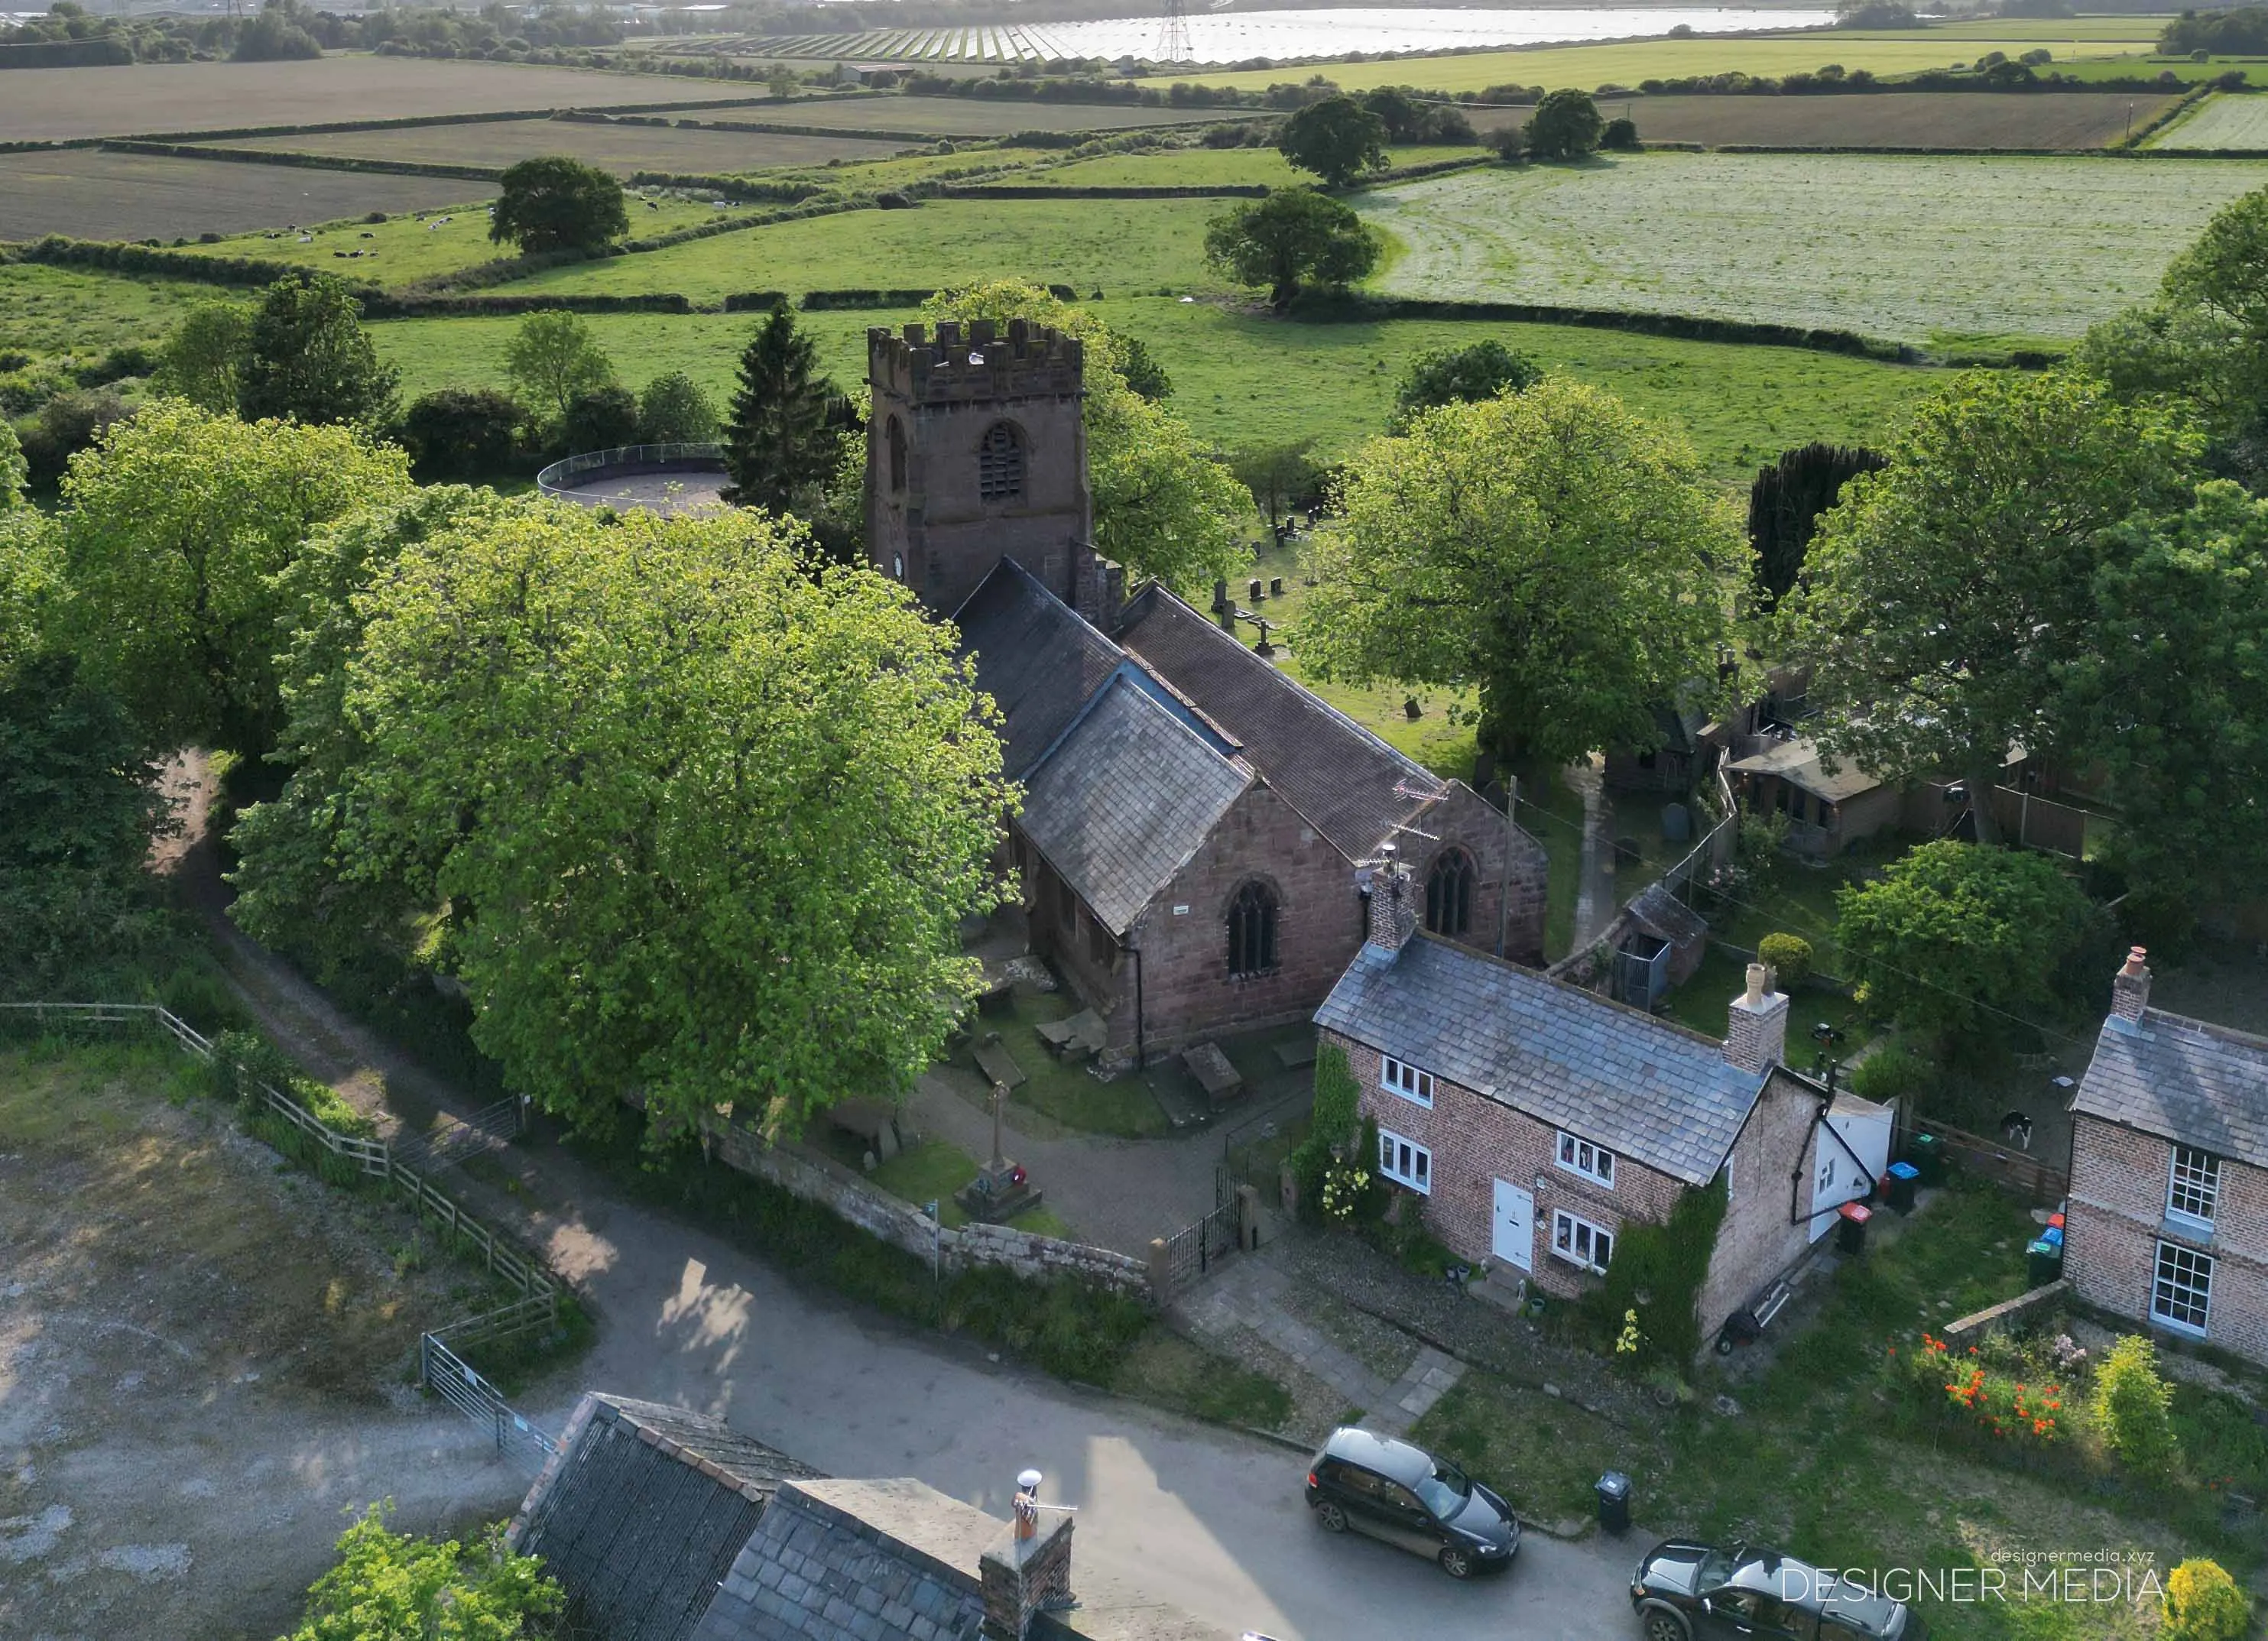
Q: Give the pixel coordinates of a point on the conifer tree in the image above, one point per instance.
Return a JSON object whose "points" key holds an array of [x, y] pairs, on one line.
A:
{"points": [[779, 447]]}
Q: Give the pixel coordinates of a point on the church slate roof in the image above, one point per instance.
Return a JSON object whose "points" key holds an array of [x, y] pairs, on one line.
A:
{"points": [[1336, 774], [1653, 1091], [1129, 794], [1037, 659], [640, 1516], [2183, 1079]]}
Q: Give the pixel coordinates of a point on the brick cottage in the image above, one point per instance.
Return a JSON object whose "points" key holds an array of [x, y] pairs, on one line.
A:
{"points": [[2167, 1220], [1534, 1120]]}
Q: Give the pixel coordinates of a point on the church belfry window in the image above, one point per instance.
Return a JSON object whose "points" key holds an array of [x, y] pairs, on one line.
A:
{"points": [[1000, 464], [1449, 893], [1252, 931], [897, 442]]}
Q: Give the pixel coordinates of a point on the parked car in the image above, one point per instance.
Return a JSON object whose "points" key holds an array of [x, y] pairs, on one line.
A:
{"points": [[1686, 1591], [1405, 1496]]}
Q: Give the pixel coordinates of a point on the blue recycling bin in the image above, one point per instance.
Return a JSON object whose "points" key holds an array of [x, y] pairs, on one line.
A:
{"points": [[1904, 1179]]}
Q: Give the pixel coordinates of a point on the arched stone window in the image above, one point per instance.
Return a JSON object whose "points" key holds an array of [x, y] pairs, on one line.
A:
{"points": [[897, 439], [1252, 930], [1449, 893], [1000, 464]]}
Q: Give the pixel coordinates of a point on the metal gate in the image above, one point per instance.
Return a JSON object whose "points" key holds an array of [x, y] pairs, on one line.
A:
{"points": [[447, 1376], [1195, 1249], [457, 1137]]}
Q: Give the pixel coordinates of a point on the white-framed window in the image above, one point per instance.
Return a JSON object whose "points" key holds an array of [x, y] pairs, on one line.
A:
{"points": [[1579, 1242], [2181, 1296], [1405, 1162], [1593, 1162], [2193, 1189], [1397, 1076]]}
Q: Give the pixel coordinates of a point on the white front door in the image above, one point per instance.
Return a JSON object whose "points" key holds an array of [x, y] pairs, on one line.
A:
{"points": [[1513, 1238]]}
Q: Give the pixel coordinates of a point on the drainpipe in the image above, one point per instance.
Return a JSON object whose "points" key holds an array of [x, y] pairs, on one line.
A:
{"points": [[1141, 1050]]}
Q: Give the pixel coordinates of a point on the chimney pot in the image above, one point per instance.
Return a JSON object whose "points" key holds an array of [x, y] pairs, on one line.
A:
{"points": [[1758, 976], [2130, 989], [1755, 1033]]}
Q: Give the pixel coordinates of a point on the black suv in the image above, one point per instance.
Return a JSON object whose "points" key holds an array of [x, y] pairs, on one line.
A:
{"points": [[1405, 1496], [1684, 1592]]}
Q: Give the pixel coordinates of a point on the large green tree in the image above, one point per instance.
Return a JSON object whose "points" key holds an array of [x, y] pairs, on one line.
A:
{"points": [[1336, 138], [1293, 237], [553, 359], [779, 446], [1163, 507], [307, 358], [203, 357], [705, 816], [1947, 594], [555, 203], [1551, 550], [1466, 375], [1951, 933], [1566, 125], [172, 532]]}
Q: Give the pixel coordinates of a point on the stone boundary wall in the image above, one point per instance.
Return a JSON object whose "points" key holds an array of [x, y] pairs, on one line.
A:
{"points": [[805, 1173], [2007, 1313]]}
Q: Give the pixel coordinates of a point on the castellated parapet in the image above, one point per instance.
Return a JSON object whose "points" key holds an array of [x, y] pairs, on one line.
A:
{"points": [[976, 362]]}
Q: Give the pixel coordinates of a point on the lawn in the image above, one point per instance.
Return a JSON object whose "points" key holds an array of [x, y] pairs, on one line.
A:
{"points": [[1884, 53], [2219, 122], [1819, 1465], [2024, 120], [421, 245], [1114, 245], [1939, 249], [931, 1172], [64, 311], [622, 148]]}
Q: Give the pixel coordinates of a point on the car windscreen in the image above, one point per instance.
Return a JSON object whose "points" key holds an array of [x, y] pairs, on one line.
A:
{"points": [[1445, 1492], [1716, 1569]]}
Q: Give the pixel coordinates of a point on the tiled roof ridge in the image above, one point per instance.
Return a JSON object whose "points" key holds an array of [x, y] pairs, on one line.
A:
{"points": [[2231, 1035], [835, 1516]]}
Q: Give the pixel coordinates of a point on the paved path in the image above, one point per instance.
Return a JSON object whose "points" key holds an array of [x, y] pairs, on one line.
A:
{"points": [[1595, 897]]}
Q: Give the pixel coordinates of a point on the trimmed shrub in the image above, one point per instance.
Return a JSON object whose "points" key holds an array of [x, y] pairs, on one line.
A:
{"points": [[462, 433], [602, 419], [1788, 956], [2132, 1408], [1620, 136], [1892, 1073], [2203, 1603]]}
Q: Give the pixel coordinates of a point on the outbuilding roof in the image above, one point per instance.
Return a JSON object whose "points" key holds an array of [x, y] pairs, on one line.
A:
{"points": [[642, 1513], [1801, 763], [1649, 1090], [2183, 1079]]}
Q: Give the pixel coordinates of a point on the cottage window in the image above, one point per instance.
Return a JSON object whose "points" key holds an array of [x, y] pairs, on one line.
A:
{"points": [[897, 443], [2194, 1187], [1398, 1077], [1579, 1242], [1405, 1162], [1593, 1162], [1000, 464], [2181, 1298], [1449, 893], [1252, 931]]}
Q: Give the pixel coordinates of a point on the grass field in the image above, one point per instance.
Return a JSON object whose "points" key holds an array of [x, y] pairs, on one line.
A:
{"points": [[1204, 167], [1902, 52], [421, 244], [230, 96], [1939, 249], [2219, 122], [2074, 120], [61, 311], [985, 117], [622, 148], [1119, 246], [1241, 377], [90, 195]]}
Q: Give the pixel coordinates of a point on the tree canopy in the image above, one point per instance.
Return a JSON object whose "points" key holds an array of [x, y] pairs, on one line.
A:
{"points": [[1443, 376], [1566, 125], [1785, 505], [307, 358], [553, 359], [704, 815], [555, 203], [779, 445], [1336, 138], [172, 531], [1950, 594], [1293, 237], [13, 469], [1163, 507], [675, 409], [1551, 550], [203, 357], [393, 1586]]}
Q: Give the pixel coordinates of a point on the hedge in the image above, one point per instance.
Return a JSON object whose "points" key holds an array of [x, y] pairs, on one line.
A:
{"points": [[58, 251], [404, 121], [1369, 309], [814, 301], [754, 301], [313, 162], [1127, 191], [387, 305]]}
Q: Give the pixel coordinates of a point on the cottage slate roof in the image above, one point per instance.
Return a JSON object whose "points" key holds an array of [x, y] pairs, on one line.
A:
{"points": [[1034, 656], [1335, 773], [1655, 1092], [1128, 797], [1798, 762], [2185, 1079], [641, 1515]]}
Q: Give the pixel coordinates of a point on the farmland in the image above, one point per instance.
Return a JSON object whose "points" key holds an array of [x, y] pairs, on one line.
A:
{"points": [[1241, 377], [981, 116], [620, 148], [92, 194], [58, 103], [2070, 119], [1206, 167], [2219, 122], [1120, 245], [1917, 249], [64, 311]]}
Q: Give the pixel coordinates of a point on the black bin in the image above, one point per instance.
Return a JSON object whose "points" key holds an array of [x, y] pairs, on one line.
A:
{"points": [[1614, 1501], [1904, 1177], [1850, 1227], [2043, 1262]]}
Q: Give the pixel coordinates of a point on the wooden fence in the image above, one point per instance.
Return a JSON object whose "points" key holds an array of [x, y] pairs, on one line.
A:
{"points": [[442, 1371], [2041, 1183]]}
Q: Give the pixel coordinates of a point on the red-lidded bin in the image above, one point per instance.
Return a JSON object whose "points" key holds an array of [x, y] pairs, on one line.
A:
{"points": [[1850, 1227]]}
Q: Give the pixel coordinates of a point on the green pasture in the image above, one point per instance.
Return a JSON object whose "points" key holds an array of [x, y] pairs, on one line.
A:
{"points": [[1210, 168], [1118, 245], [962, 161], [2219, 122], [1950, 250], [65, 313]]}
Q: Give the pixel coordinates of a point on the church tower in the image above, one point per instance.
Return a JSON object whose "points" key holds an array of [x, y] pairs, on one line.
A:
{"points": [[977, 451]]}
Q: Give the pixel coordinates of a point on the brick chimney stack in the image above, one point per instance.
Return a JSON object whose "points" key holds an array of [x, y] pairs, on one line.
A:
{"points": [[1027, 1569], [1756, 1038], [1393, 908], [2130, 989]]}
